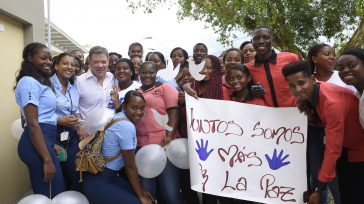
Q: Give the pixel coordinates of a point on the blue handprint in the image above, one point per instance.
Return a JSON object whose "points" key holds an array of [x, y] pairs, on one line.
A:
{"points": [[277, 162], [202, 150]]}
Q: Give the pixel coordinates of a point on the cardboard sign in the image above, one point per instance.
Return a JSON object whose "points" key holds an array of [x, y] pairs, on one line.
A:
{"points": [[247, 152]]}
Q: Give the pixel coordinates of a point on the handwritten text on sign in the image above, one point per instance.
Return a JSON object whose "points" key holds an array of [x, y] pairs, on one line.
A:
{"points": [[247, 152]]}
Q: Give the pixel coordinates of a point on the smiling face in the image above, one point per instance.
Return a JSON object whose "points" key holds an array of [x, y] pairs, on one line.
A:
{"points": [[135, 51], [207, 69], [42, 60], [351, 70], [199, 52], [325, 59], [232, 58], [66, 67], [237, 80], [157, 60], [134, 109], [79, 55], [249, 53], [262, 42], [98, 65], [123, 72], [178, 57], [186, 77], [148, 75], [301, 86]]}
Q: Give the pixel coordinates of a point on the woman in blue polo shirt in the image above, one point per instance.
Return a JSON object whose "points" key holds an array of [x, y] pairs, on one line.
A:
{"points": [[107, 186], [67, 98], [37, 102]]}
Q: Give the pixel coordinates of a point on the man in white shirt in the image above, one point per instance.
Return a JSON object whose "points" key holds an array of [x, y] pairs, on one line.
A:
{"points": [[95, 85]]}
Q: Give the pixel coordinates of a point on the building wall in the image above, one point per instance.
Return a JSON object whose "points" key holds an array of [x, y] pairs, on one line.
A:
{"points": [[30, 14], [22, 25]]}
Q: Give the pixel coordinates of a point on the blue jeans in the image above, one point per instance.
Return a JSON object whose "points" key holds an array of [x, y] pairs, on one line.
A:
{"points": [[316, 149], [169, 184], [108, 188], [29, 155]]}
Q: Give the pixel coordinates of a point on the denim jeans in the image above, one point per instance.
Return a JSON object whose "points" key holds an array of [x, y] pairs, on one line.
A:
{"points": [[169, 184], [108, 188]]}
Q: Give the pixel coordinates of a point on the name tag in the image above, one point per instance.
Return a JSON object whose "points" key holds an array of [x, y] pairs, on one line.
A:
{"points": [[64, 136]]}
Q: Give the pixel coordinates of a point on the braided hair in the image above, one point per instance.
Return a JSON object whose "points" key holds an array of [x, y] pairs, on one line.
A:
{"points": [[214, 86]]}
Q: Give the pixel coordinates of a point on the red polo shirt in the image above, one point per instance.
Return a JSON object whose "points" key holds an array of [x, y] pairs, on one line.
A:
{"points": [[275, 65], [337, 108]]}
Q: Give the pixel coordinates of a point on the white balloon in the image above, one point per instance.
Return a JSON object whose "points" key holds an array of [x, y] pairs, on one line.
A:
{"points": [[150, 160], [98, 118], [70, 197], [195, 69], [16, 129], [35, 199], [177, 153]]}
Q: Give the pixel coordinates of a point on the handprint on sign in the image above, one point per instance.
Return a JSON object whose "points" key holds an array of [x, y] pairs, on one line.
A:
{"points": [[277, 162], [202, 150]]}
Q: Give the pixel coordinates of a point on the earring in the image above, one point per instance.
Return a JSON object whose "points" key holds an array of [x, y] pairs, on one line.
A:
{"points": [[314, 70]]}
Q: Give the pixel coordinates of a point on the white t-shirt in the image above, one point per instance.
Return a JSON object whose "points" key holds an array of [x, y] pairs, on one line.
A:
{"points": [[335, 79], [361, 109], [134, 86]]}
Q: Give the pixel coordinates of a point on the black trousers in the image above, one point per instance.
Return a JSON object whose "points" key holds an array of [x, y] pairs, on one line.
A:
{"points": [[351, 179]]}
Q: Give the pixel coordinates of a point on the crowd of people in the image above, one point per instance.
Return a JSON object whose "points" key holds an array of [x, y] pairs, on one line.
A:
{"points": [[55, 93]]}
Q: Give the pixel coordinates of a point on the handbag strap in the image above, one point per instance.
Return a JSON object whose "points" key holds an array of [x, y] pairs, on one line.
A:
{"points": [[109, 125], [114, 121]]}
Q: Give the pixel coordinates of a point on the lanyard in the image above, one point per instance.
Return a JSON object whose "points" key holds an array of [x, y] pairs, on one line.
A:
{"points": [[69, 94]]}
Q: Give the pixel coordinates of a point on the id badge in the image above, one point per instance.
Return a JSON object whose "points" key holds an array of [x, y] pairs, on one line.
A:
{"points": [[64, 136]]}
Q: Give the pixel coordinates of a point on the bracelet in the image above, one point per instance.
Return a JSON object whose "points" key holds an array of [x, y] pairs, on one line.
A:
{"points": [[321, 187]]}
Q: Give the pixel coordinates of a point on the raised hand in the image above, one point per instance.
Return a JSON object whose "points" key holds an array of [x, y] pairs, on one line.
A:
{"points": [[202, 150], [277, 162]]}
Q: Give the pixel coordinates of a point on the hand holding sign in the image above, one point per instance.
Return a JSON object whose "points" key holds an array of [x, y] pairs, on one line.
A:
{"points": [[202, 150], [277, 162]]}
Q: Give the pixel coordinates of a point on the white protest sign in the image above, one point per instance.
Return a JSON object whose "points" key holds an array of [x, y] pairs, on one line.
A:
{"points": [[246, 151]]}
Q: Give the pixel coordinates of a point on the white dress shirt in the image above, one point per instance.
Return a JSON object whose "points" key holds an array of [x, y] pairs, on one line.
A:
{"points": [[93, 95]]}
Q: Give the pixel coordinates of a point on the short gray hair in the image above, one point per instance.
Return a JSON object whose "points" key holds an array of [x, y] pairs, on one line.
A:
{"points": [[98, 50]]}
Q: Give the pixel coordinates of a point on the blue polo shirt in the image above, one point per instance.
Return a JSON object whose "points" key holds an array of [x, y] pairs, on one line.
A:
{"points": [[67, 103], [120, 136], [30, 91]]}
